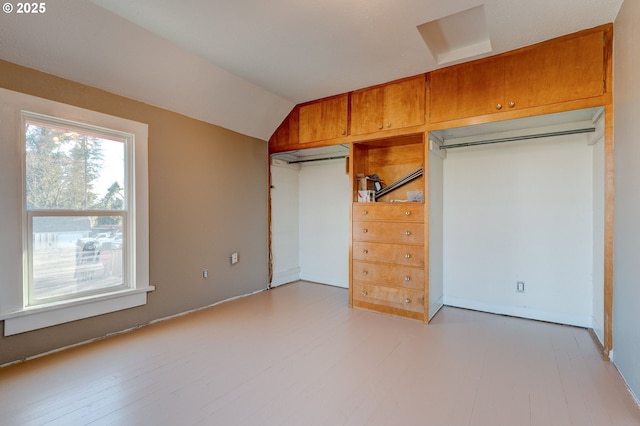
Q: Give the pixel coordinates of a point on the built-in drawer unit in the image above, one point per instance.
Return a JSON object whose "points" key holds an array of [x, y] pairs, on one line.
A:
{"points": [[389, 274], [400, 299], [399, 254], [410, 212], [388, 232]]}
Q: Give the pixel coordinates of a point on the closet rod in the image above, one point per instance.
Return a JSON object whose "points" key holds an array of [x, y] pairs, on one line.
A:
{"points": [[519, 138], [318, 159]]}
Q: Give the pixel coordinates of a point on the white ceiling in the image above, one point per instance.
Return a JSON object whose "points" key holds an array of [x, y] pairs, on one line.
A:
{"points": [[243, 64]]}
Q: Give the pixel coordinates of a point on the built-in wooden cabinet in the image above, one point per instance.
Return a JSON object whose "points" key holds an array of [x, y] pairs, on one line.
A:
{"points": [[561, 70], [388, 236], [324, 119], [394, 105], [286, 135]]}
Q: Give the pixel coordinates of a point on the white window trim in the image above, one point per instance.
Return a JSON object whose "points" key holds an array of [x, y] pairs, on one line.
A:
{"points": [[17, 316]]}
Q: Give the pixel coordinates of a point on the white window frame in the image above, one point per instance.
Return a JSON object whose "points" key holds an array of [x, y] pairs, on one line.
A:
{"points": [[18, 314]]}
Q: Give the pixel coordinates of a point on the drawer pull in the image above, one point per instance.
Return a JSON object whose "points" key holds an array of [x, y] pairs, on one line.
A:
{"points": [[365, 230], [364, 212], [388, 125], [407, 278], [407, 300], [379, 126], [365, 273], [407, 256], [364, 293], [365, 251], [407, 213], [512, 104], [407, 233], [499, 106]]}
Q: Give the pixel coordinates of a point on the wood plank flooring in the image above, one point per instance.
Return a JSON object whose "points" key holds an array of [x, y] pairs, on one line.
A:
{"points": [[297, 355]]}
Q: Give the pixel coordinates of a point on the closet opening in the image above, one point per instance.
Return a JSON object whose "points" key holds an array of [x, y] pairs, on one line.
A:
{"points": [[517, 217]]}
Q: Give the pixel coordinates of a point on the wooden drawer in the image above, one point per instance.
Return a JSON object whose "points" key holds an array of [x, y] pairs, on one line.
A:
{"points": [[393, 297], [389, 253], [410, 212], [391, 275], [388, 232]]}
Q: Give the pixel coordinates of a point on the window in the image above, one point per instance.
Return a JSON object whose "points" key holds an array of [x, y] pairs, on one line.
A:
{"points": [[75, 231], [77, 209]]}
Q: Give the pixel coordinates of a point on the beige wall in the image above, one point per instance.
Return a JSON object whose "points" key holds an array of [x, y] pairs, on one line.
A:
{"points": [[626, 315], [207, 199]]}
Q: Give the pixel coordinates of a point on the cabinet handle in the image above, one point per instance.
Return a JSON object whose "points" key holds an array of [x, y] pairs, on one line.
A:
{"points": [[364, 293], [407, 233], [512, 104], [407, 213], [407, 256], [407, 278], [364, 212], [365, 251], [344, 132], [365, 273], [499, 106], [388, 125], [379, 126], [407, 300], [365, 230]]}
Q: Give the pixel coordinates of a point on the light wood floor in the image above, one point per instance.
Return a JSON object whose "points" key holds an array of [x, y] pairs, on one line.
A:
{"points": [[297, 355]]}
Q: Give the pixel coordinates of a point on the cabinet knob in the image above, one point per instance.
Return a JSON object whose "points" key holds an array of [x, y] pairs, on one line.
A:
{"points": [[365, 251], [364, 293], [499, 106], [407, 300], [407, 256], [407, 213], [344, 132], [365, 273], [388, 125], [379, 126], [407, 233], [365, 230], [364, 212], [407, 278], [512, 104]]}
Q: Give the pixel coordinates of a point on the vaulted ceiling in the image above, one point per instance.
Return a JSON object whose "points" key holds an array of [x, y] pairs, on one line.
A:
{"points": [[243, 64]]}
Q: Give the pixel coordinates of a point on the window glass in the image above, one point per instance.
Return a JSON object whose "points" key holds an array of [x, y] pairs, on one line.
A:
{"points": [[76, 198]]}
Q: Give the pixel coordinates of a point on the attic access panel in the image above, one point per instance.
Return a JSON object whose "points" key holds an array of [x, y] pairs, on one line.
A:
{"points": [[457, 37]]}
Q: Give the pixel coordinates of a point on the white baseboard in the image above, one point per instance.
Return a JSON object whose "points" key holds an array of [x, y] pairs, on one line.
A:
{"points": [[521, 312], [325, 280], [435, 307], [285, 277]]}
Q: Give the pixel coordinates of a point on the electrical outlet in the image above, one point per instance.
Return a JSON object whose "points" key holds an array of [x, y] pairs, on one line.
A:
{"points": [[205, 273], [234, 258], [520, 286]]}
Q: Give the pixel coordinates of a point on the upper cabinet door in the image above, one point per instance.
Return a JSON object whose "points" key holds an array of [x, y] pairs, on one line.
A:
{"points": [[565, 70], [467, 90], [404, 103], [392, 106], [561, 70], [324, 119], [367, 107]]}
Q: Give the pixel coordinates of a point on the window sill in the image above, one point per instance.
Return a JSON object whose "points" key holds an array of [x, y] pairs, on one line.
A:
{"points": [[36, 317]]}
